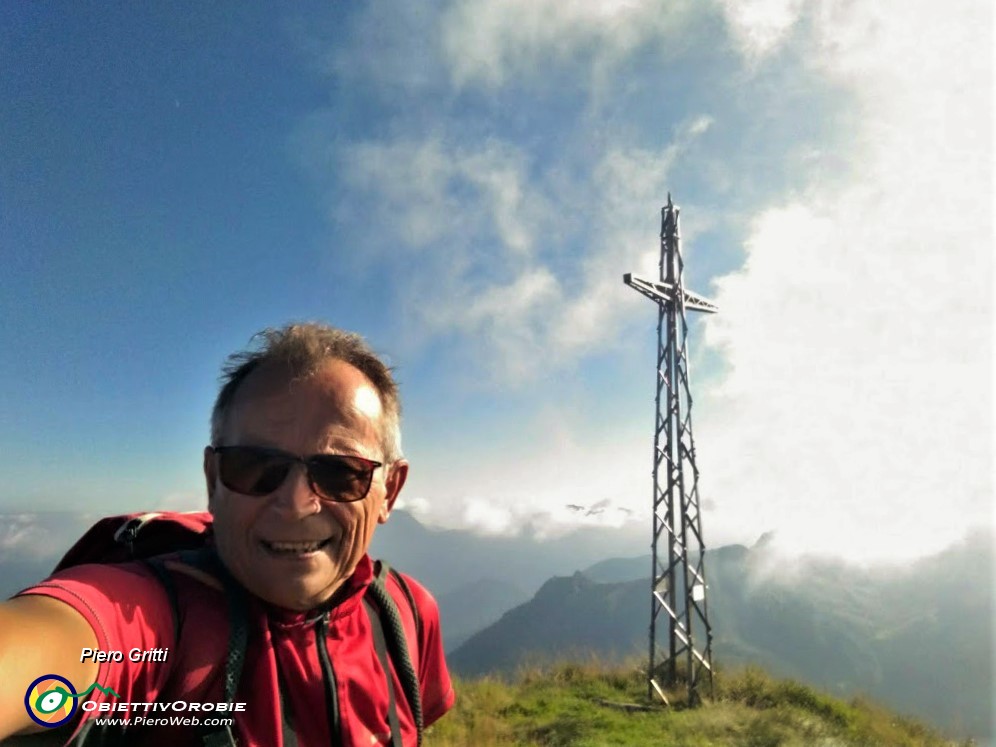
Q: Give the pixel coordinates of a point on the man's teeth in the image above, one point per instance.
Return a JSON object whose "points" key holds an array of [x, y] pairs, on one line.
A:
{"points": [[295, 547]]}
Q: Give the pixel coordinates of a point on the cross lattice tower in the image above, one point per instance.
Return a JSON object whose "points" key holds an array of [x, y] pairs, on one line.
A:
{"points": [[678, 583]]}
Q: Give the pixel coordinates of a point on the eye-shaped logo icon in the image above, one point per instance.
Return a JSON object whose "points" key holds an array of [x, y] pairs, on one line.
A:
{"points": [[51, 700]]}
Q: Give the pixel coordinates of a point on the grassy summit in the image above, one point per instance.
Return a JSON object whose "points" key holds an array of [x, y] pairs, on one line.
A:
{"points": [[588, 705]]}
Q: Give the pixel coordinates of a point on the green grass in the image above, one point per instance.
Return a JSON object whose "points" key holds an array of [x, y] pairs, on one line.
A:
{"points": [[565, 705]]}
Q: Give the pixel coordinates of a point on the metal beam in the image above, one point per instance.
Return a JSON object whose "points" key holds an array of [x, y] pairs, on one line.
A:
{"points": [[666, 292]]}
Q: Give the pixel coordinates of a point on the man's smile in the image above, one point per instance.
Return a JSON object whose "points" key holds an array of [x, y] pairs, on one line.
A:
{"points": [[297, 547]]}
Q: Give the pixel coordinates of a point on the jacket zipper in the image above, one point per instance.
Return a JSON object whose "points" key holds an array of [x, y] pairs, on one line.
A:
{"points": [[331, 695]]}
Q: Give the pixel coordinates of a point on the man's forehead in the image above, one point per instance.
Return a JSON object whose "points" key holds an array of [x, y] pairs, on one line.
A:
{"points": [[335, 385]]}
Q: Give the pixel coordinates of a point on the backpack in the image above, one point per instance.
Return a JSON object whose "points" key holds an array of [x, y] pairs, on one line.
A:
{"points": [[148, 537]]}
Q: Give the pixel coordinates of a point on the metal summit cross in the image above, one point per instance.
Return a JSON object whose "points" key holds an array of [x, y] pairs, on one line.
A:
{"points": [[678, 584]]}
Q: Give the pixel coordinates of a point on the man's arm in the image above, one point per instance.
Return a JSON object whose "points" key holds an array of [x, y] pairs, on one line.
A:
{"points": [[39, 635], [433, 676]]}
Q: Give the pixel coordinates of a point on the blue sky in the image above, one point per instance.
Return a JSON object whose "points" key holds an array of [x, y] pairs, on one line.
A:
{"points": [[465, 182]]}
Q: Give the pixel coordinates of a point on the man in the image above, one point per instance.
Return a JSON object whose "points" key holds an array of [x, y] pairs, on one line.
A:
{"points": [[304, 462]]}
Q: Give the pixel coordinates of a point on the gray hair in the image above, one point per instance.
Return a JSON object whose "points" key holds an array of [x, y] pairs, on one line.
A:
{"points": [[302, 349]]}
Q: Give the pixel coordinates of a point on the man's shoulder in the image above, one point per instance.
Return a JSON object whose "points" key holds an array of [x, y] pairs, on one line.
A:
{"points": [[141, 572], [131, 585], [409, 592], [103, 575], [418, 590]]}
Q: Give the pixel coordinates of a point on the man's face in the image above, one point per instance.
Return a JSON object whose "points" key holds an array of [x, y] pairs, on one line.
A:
{"points": [[334, 411]]}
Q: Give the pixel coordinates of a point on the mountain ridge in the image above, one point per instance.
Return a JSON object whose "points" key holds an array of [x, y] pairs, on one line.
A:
{"points": [[838, 628]]}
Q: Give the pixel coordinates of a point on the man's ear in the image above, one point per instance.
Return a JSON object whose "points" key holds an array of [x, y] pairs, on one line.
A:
{"points": [[396, 477], [210, 474]]}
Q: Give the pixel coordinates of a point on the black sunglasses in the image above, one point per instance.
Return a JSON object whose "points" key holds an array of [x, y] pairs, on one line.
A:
{"points": [[256, 470]]}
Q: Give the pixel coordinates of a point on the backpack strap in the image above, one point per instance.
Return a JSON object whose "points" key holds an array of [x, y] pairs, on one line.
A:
{"points": [[406, 589], [396, 642], [380, 646], [158, 566]]}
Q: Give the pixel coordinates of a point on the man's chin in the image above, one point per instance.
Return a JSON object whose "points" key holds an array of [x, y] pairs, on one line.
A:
{"points": [[297, 582], [302, 593]]}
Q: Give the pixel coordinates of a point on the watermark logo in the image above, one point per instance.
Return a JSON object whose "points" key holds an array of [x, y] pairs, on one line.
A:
{"points": [[52, 700]]}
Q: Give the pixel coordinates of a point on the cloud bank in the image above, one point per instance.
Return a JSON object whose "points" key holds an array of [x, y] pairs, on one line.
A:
{"points": [[857, 335]]}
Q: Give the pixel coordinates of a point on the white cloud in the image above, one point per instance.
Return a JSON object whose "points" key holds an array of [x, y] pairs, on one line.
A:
{"points": [[855, 414], [489, 41], [544, 518], [496, 262], [434, 190], [20, 534], [552, 466], [759, 26], [36, 537], [531, 289], [416, 506], [486, 516]]}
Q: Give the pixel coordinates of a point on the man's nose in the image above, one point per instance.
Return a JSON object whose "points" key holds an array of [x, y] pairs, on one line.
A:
{"points": [[294, 498]]}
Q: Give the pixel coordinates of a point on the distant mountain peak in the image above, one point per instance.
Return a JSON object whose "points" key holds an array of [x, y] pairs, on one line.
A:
{"points": [[764, 541], [559, 586]]}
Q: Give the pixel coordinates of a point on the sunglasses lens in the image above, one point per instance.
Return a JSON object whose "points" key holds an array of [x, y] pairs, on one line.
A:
{"points": [[252, 471], [340, 478]]}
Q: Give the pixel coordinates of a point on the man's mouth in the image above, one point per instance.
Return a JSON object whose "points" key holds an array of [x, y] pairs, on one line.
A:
{"points": [[295, 548]]}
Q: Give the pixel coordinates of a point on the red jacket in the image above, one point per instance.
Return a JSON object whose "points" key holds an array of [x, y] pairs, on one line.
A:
{"points": [[128, 609]]}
